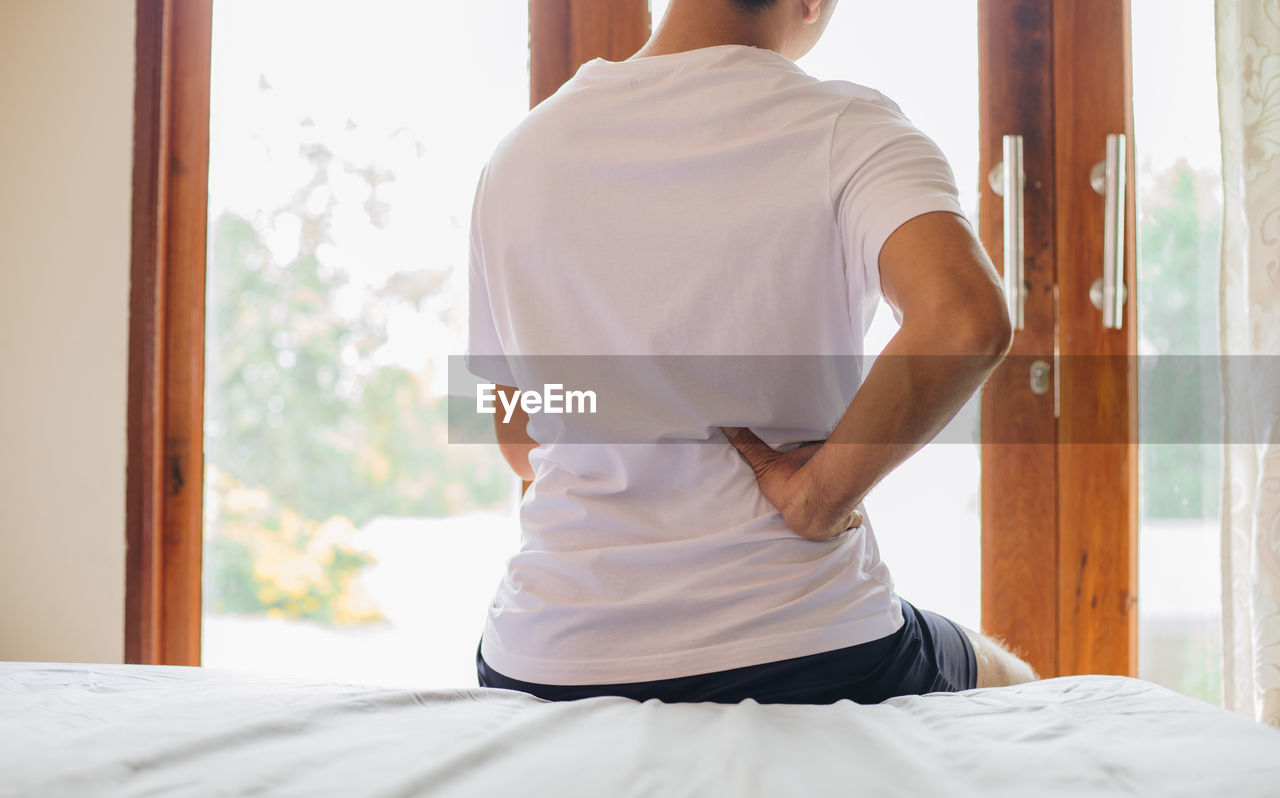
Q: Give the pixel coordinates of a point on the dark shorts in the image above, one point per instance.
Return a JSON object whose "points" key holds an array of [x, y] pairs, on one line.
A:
{"points": [[930, 653]]}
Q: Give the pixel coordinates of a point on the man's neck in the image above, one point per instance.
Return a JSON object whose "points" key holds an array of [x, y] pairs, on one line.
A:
{"points": [[692, 26]]}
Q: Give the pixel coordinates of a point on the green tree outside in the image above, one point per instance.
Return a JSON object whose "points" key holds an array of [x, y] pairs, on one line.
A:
{"points": [[1177, 307], [299, 406]]}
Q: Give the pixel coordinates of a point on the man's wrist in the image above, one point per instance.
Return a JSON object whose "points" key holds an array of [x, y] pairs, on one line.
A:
{"points": [[831, 490]]}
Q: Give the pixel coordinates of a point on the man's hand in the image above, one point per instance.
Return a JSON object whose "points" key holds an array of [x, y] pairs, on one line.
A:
{"points": [[513, 436], [954, 332], [788, 486]]}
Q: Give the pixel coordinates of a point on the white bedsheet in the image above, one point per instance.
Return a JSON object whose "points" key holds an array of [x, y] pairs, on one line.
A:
{"points": [[132, 730]]}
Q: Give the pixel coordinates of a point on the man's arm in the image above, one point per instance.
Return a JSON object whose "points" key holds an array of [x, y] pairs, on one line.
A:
{"points": [[955, 331], [513, 437]]}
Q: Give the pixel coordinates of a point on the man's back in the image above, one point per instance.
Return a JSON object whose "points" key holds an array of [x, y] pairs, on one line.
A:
{"points": [[720, 203]]}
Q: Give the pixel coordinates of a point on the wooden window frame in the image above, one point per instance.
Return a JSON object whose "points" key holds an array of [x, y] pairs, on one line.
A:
{"points": [[1058, 584], [163, 505]]}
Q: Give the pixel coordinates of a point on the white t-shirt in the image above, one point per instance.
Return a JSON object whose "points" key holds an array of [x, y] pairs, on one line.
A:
{"points": [[718, 202]]}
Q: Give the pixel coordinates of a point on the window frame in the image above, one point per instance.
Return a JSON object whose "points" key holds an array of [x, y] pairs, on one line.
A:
{"points": [[1058, 584]]}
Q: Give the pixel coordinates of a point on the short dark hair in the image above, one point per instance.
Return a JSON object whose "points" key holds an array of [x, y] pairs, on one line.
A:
{"points": [[753, 6]]}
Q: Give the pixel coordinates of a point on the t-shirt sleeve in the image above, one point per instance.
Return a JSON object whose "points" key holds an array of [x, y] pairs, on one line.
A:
{"points": [[884, 172], [485, 357]]}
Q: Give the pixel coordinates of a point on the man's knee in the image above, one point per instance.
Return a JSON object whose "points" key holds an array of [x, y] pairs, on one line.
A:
{"points": [[997, 665]]}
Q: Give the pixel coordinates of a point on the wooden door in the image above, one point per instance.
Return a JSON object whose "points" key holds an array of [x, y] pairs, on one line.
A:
{"points": [[1059, 496]]}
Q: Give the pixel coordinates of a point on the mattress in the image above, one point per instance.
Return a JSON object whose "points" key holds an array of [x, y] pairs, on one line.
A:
{"points": [[134, 730]]}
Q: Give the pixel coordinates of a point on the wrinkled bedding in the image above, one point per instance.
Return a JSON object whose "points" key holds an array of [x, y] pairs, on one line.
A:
{"points": [[134, 730]]}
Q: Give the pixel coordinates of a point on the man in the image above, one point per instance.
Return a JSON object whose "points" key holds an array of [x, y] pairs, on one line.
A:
{"points": [[707, 197]]}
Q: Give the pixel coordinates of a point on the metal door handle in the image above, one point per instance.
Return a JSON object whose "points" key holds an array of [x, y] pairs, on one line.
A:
{"points": [[1008, 180], [1109, 179]]}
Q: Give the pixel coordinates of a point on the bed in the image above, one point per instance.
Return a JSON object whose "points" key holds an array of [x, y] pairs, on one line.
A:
{"points": [[134, 730]]}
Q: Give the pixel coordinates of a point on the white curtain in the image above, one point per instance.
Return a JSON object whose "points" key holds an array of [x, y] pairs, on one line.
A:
{"points": [[1248, 42]]}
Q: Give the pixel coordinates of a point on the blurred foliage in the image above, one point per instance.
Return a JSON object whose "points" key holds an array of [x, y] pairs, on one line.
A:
{"points": [[303, 411], [1177, 306], [270, 559]]}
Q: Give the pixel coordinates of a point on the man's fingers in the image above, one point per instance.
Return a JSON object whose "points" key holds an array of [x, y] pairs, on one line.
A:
{"points": [[755, 451]]}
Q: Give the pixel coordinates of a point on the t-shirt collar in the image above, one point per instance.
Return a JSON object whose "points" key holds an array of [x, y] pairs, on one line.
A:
{"points": [[697, 55]]}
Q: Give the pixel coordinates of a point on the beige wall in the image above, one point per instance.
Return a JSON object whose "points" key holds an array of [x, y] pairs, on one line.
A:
{"points": [[66, 116]]}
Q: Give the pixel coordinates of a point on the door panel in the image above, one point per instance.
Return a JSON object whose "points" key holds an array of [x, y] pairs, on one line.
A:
{"points": [[1060, 495], [1019, 459], [1097, 426]]}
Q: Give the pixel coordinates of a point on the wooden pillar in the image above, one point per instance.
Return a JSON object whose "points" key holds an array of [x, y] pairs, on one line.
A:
{"points": [[165, 482], [565, 34]]}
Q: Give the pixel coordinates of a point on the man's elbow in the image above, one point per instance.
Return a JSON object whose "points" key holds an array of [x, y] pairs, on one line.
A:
{"points": [[985, 332], [1001, 333]]}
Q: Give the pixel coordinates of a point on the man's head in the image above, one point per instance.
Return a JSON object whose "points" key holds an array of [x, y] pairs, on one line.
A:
{"points": [[791, 27]]}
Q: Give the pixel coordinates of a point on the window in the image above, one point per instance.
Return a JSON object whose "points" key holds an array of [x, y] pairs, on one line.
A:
{"points": [[1179, 185], [342, 538]]}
